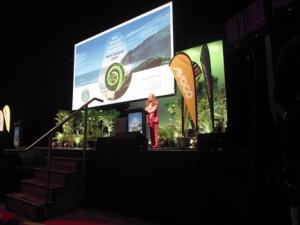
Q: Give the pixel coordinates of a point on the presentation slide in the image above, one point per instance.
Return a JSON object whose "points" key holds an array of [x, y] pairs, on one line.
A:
{"points": [[135, 122], [126, 62]]}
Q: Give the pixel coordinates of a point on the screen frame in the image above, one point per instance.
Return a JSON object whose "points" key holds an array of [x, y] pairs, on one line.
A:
{"points": [[143, 118], [114, 104]]}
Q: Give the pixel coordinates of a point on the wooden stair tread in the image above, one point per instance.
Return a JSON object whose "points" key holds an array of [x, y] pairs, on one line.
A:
{"points": [[64, 191], [43, 183], [66, 158], [25, 197], [60, 171]]}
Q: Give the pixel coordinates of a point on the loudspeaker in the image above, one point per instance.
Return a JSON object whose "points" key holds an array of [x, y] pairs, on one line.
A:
{"points": [[212, 141], [123, 141], [133, 140], [5, 141], [104, 143]]}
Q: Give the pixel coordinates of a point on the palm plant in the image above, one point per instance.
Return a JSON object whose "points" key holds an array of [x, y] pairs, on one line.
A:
{"points": [[168, 134], [220, 107], [67, 127], [109, 119], [93, 124], [174, 109], [204, 120]]}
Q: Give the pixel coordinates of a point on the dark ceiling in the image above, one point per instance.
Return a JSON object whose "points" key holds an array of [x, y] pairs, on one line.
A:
{"points": [[72, 22]]}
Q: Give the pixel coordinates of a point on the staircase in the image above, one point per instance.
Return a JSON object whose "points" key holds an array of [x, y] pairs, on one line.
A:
{"points": [[65, 190], [58, 187]]}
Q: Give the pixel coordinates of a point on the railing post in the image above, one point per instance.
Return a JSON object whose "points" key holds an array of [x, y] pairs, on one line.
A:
{"points": [[48, 169], [85, 132], [83, 172]]}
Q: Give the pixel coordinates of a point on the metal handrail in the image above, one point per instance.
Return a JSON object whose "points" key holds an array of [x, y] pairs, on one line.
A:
{"points": [[55, 127], [50, 134]]}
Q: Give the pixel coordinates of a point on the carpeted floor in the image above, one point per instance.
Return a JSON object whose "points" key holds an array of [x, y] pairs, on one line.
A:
{"points": [[87, 216]]}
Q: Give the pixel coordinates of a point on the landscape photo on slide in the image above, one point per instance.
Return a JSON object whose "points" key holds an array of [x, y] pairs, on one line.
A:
{"points": [[127, 62]]}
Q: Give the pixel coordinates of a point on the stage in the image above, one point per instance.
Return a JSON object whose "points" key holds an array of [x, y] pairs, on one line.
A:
{"points": [[184, 185]]}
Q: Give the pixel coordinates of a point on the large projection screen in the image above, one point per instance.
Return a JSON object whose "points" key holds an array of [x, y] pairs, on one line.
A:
{"points": [[126, 62]]}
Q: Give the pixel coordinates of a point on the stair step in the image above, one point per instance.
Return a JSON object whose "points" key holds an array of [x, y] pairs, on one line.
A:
{"points": [[42, 184], [26, 205], [65, 191], [64, 163], [56, 176], [38, 188], [59, 171], [68, 158], [28, 198]]}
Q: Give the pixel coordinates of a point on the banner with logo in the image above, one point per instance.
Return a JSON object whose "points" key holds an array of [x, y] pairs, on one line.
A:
{"points": [[206, 69], [182, 68], [5, 118], [6, 113], [197, 75], [1, 121]]}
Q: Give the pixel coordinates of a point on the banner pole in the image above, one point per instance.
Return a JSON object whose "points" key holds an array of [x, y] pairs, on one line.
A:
{"points": [[182, 115]]}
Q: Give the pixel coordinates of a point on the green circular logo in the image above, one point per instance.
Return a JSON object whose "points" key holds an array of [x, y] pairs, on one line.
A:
{"points": [[114, 77], [85, 95]]}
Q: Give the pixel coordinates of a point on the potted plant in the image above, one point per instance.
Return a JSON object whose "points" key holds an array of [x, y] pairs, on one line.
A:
{"points": [[168, 135]]}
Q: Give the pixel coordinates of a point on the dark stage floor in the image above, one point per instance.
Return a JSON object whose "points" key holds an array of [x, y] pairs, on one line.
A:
{"points": [[87, 216]]}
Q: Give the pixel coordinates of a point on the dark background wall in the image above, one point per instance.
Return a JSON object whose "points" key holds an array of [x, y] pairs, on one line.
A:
{"points": [[37, 40], [37, 44]]}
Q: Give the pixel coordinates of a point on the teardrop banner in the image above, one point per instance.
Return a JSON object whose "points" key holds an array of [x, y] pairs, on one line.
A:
{"points": [[1, 121], [5, 118], [206, 68], [182, 68], [6, 112], [197, 75]]}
